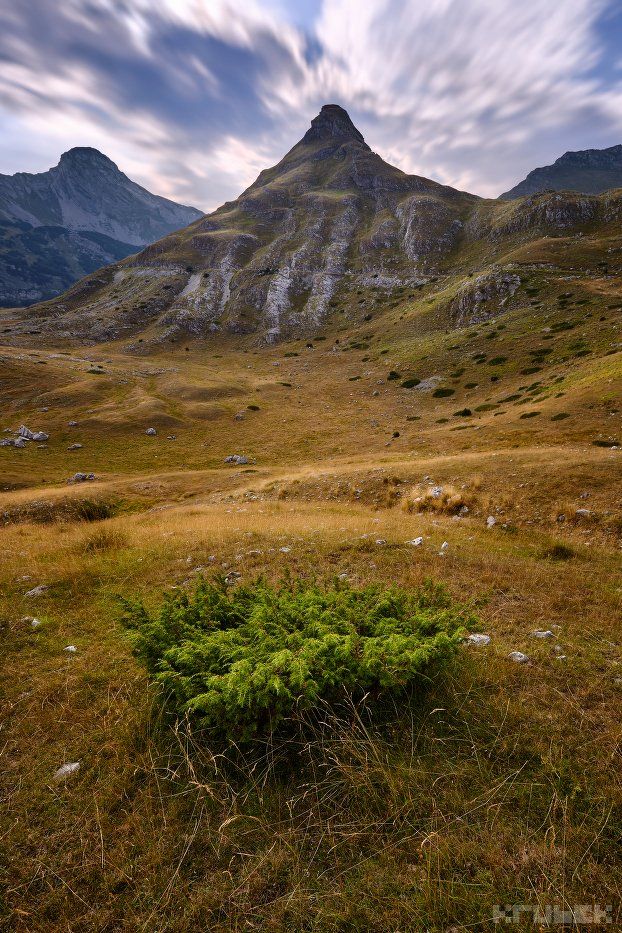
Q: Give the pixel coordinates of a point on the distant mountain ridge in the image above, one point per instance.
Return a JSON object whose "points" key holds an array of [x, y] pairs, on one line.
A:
{"points": [[589, 171], [59, 225]]}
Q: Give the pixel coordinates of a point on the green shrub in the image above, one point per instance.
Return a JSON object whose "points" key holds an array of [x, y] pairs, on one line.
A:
{"points": [[241, 661], [443, 393], [411, 382]]}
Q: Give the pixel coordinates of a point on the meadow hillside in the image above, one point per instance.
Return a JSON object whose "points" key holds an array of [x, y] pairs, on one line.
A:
{"points": [[462, 429]]}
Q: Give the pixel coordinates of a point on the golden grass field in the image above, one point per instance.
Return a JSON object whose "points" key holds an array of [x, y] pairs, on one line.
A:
{"points": [[500, 786]]}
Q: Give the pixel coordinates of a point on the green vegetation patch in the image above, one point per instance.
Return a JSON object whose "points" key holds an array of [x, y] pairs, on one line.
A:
{"points": [[443, 393], [242, 661], [411, 382]]}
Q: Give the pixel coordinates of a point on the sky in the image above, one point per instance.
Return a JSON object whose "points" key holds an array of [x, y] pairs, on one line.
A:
{"points": [[192, 98]]}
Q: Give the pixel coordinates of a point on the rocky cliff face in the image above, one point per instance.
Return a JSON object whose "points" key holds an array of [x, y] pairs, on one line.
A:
{"points": [[83, 213], [590, 171], [332, 221]]}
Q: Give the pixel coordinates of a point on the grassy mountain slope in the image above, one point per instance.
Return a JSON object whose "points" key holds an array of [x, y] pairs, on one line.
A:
{"points": [[494, 370]]}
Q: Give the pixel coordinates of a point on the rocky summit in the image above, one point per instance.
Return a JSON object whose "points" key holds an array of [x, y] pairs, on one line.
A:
{"points": [[59, 225], [331, 221]]}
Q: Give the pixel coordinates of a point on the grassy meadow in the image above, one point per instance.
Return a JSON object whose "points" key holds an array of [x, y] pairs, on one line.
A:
{"points": [[499, 784]]}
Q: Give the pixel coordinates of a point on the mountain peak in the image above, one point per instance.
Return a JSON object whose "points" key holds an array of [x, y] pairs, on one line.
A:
{"points": [[332, 122], [85, 155]]}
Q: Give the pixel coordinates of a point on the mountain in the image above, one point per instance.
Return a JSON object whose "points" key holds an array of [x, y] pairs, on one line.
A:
{"points": [[331, 232], [590, 171], [59, 225]]}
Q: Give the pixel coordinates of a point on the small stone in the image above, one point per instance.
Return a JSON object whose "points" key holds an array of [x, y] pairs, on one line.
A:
{"points": [[70, 649], [380, 541], [444, 545], [478, 639], [583, 513], [66, 771], [72, 424], [35, 623], [81, 478], [436, 492], [518, 657], [284, 550], [490, 521], [151, 432], [37, 590], [75, 447], [416, 542], [543, 633]]}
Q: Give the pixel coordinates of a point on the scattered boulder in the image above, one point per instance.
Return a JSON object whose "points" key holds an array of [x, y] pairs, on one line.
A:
{"points": [[72, 424], [583, 513], [75, 447], [491, 521], [518, 657], [478, 639], [151, 432], [13, 442], [70, 649], [416, 542], [543, 633], [238, 459], [29, 435], [81, 478], [37, 590]]}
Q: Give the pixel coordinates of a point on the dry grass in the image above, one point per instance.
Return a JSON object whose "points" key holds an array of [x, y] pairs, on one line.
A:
{"points": [[499, 785]]}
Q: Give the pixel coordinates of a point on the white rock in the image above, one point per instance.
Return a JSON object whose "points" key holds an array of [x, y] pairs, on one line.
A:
{"points": [[543, 633], [444, 545], [37, 590], [66, 771], [151, 432], [71, 649], [518, 657], [380, 541], [478, 639], [35, 623], [416, 542], [81, 478], [583, 513], [436, 492], [75, 447], [490, 521], [284, 550]]}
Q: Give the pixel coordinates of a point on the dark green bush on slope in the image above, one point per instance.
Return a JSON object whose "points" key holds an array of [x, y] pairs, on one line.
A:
{"points": [[240, 661]]}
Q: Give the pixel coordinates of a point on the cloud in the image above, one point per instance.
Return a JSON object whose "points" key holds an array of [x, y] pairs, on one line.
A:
{"points": [[193, 97]]}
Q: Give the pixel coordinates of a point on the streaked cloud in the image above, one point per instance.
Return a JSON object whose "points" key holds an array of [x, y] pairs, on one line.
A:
{"points": [[193, 97]]}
